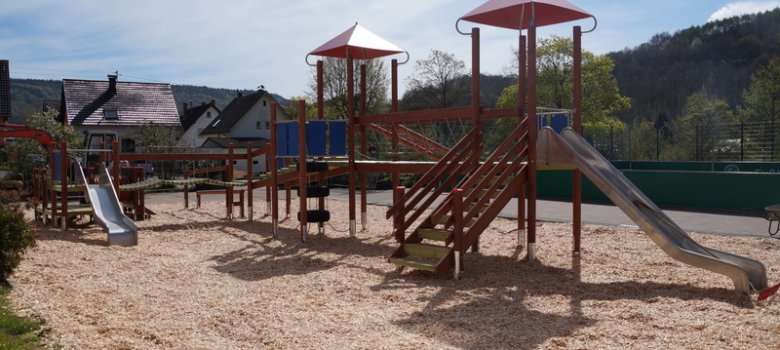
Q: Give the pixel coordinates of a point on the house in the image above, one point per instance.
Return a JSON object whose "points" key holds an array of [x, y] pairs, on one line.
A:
{"points": [[245, 119], [134, 113], [194, 120]]}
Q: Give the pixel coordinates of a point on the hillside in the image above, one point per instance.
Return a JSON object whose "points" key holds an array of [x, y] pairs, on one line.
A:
{"points": [[717, 57], [28, 95]]}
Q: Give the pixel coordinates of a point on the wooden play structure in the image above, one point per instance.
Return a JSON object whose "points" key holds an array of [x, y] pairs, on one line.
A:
{"points": [[459, 192]]}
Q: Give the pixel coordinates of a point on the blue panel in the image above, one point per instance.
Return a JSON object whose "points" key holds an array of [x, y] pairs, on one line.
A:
{"points": [[338, 138], [57, 164], [559, 122], [281, 140], [292, 139], [315, 138]]}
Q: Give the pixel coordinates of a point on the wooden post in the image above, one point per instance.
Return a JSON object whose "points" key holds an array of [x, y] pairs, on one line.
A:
{"points": [[475, 104], [363, 149], [398, 217], [64, 183], [396, 179], [274, 189], [302, 217], [249, 185], [115, 171], [521, 106], [532, 135], [457, 232], [577, 174], [229, 178], [351, 143], [186, 189]]}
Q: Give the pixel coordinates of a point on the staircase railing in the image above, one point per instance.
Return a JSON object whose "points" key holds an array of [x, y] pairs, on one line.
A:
{"points": [[445, 173]]}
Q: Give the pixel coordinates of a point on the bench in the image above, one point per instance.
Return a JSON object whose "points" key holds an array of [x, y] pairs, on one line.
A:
{"points": [[239, 202]]}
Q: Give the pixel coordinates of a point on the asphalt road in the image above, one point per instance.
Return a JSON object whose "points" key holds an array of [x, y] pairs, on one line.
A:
{"points": [[553, 211]]}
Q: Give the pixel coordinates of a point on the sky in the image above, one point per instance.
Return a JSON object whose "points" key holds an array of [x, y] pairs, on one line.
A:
{"points": [[242, 44]]}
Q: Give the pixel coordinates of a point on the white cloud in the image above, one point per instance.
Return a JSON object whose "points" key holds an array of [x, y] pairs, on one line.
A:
{"points": [[743, 7]]}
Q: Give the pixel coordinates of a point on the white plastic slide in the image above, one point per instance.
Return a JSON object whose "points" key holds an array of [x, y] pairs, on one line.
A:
{"points": [[122, 231], [569, 148]]}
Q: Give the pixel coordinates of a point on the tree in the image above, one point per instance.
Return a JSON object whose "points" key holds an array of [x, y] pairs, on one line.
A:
{"points": [[697, 135], [601, 101], [26, 154], [762, 97], [438, 81], [335, 87]]}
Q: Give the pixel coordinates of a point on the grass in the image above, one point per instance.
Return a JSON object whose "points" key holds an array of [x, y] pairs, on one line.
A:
{"points": [[17, 332]]}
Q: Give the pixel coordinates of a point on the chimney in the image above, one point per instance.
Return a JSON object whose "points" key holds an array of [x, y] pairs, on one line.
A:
{"points": [[213, 103], [5, 92], [112, 82], [239, 93]]}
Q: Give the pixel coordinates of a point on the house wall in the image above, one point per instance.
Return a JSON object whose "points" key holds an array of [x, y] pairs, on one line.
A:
{"points": [[247, 127], [191, 137], [122, 132]]}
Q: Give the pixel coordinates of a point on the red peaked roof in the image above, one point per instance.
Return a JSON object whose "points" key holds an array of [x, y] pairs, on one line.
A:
{"points": [[508, 13], [358, 42]]}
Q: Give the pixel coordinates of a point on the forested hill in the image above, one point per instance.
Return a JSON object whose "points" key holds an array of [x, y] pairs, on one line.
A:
{"points": [[28, 95], [717, 58]]}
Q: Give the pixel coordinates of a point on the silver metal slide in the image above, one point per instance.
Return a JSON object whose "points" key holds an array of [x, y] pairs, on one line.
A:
{"points": [[569, 148], [122, 231]]}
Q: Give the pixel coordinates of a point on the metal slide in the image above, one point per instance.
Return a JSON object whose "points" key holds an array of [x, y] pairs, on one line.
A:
{"points": [[569, 148], [122, 231]]}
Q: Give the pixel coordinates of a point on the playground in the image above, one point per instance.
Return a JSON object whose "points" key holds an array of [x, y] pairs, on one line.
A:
{"points": [[198, 281], [436, 268]]}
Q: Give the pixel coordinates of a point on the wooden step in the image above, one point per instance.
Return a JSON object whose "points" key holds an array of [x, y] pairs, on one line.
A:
{"points": [[444, 219], [416, 263], [433, 234], [426, 250]]}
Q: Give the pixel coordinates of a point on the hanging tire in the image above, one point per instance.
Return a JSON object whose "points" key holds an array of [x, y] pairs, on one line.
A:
{"points": [[316, 166], [316, 216], [316, 192]]}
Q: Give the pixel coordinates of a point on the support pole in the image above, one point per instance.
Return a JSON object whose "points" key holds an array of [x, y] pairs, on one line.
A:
{"points": [[457, 216], [229, 178], [476, 106], [115, 171], [363, 149], [351, 143], [64, 183], [398, 217], [521, 106], [396, 179], [532, 130], [249, 186], [186, 189], [302, 217], [274, 174], [576, 174]]}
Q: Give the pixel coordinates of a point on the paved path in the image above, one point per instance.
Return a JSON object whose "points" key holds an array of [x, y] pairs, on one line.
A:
{"points": [[550, 211]]}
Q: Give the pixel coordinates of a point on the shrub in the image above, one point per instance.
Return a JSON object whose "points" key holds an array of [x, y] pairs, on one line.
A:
{"points": [[15, 238]]}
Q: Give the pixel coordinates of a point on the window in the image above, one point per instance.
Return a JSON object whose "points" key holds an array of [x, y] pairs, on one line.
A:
{"points": [[110, 114], [255, 162], [257, 125], [267, 124], [208, 114], [264, 103]]}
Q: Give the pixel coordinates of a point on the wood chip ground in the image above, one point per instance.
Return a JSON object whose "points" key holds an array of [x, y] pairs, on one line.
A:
{"points": [[198, 281]]}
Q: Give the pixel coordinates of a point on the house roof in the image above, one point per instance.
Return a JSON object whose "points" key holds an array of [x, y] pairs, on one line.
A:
{"points": [[238, 142], [86, 101], [191, 115], [233, 112]]}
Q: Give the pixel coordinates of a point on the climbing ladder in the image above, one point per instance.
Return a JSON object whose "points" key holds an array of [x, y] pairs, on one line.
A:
{"points": [[482, 189]]}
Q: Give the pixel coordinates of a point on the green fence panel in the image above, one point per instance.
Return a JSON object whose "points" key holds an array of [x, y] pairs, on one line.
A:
{"points": [[680, 189]]}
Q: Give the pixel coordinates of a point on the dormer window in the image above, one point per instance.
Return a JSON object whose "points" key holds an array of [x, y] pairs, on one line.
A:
{"points": [[110, 114]]}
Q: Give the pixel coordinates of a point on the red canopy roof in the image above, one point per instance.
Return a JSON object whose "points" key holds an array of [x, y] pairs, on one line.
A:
{"points": [[508, 13], [358, 42]]}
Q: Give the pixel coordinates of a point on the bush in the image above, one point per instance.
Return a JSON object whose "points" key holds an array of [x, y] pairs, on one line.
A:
{"points": [[15, 238]]}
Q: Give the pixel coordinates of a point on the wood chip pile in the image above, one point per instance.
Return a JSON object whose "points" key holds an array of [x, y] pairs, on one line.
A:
{"points": [[197, 281]]}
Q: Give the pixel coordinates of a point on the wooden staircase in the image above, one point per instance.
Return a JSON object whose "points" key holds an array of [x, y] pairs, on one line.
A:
{"points": [[481, 191]]}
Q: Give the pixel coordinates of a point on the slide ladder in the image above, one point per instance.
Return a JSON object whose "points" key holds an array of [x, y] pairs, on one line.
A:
{"points": [[455, 224], [569, 148]]}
